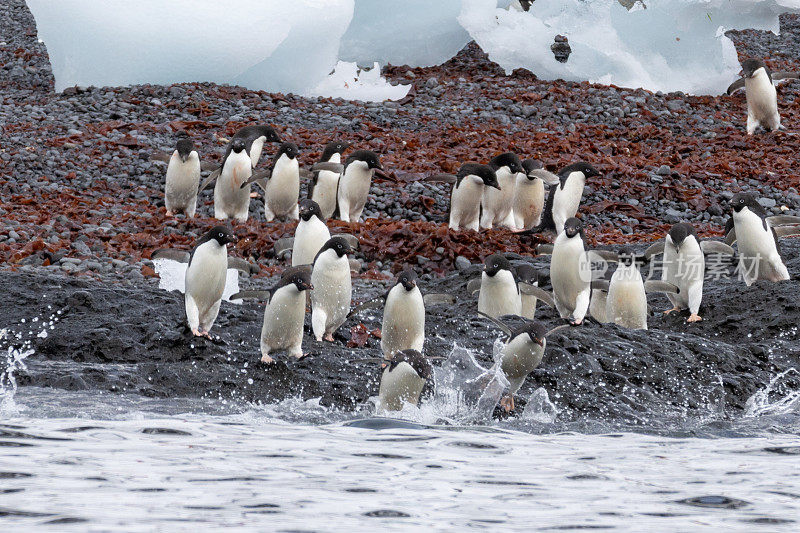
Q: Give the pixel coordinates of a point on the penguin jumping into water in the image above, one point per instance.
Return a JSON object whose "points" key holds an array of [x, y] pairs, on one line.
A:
{"points": [[758, 82], [497, 204], [467, 194], [756, 237], [684, 265], [183, 178], [284, 314], [330, 301], [403, 379], [359, 169], [564, 198], [325, 183]]}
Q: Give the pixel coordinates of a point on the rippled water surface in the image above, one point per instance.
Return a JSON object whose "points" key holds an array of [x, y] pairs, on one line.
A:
{"points": [[71, 461]]}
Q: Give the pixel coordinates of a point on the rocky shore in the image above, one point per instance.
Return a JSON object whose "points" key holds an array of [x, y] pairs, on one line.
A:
{"points": [[82, 209]]}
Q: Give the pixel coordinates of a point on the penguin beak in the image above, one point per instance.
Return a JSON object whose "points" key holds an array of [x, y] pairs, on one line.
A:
{"points": [[380, 173], [540, 342], [303, 286], [495, 185]]}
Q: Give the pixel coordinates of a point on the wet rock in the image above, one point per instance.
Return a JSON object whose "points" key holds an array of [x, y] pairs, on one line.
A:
{"points": [[561, 48]]}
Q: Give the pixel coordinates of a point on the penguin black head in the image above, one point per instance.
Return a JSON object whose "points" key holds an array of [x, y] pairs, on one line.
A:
{"points": [[237, 145], [184, 148], [573, 226], [750, 66], [222, 234], [300, 277], [534, 329], [270, 133], [529, 165], [484, 172], [338, 245], [495, 263], [408, 278], [527, 274], [742, 200], [627, 257], [289, 149], [418, 362], [679, 232], [335, 147], [588, 170], [525, 4], [367, 156], [508, 159], [308, 209]]}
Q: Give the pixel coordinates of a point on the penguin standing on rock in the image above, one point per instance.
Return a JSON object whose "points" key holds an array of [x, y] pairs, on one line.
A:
{"points": [[497, 205], [283, 187], [232, 190], [330, 301], [355, 182], [403, 316], [183, 178], [311, 234], [529, 194], [527, 274], [564, 198], [467, 194], [499, 293], [762, 98], [325, 183], [284, 314], [403, 379]]}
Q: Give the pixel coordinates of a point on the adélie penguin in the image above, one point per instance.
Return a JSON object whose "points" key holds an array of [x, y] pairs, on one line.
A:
{"points": [[758, 82], [311, 234], [325, 183], [232, 190], [403, 379], [360, 166], [183, 178], [254, 138], [284, 314], [499, 294], [283, 187], [529, 195], [683, 265], [564, 197], [756, 237], [497, 204], [467, 194], [529, 275], [521, 354], [330, 300]]}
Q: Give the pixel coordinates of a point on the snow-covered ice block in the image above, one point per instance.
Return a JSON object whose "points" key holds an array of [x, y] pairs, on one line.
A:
{"points": [[172, 276], [349, 82], [669, 45]]}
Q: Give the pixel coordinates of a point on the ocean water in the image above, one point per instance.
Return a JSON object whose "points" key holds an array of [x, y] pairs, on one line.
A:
{"points": [[78, 461]]}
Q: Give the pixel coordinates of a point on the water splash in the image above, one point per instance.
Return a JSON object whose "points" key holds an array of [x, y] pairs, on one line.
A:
{"points": [[539, 408], [15, 361], [780, 396]]}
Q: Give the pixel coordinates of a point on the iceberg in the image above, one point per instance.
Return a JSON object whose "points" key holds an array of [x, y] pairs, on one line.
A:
{"points": [[172, 277], [351, 83]]}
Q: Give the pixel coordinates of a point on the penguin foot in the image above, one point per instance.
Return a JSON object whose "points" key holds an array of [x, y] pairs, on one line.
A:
{"points": [[254, 194], [196, 332], [267, 359], [507, 403], [170, 213], [328, 337], [573, 322], [668, 311], [694, 318]]}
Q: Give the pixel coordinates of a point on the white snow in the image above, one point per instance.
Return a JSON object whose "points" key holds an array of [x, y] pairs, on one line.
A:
{"points": [[351, 83], [173, 278], [293, 46]]}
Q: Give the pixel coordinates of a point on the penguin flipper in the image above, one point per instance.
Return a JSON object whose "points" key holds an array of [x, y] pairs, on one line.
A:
{"points": [[546, 176], [606, 256], [784, 75], [654, 249], [556, 329], [181, 256], [654, 285], [730, 237], [211, 177], [283, 245], [473, 286], [716, 247], [500, 325], [783, 220], [160, 156], [600, 285], [544, 249], [329, 166], [784, 231], [208, 166], [355, 264], [538, 292], [375, 303], [441, 178], [255, 295], [240, 264], [438, 298], [735, 86], [257, 176]]}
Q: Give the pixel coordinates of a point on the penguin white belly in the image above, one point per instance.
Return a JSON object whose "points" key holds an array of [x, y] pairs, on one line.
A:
{"points": [[309, 237], [231, 200], [398, 386], [182, 181], [686, 270], [330, 299], [518, 359], [567, 201], [283, 322], [283, 189], [528, 202], [762, 102], [403, 325], [255, 150], [758, 255], [497, 204], [529, 305], [597, 306], [354, 190], [325, 192], [499, 295], [570, 276], [465, 204], [626, 304]]}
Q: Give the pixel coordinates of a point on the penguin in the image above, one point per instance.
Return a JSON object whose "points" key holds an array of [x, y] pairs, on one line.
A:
{"points": [[525, 273], [330, 301], [254, 138], [497, 204], [283, 188], [521, 354], [311, 234], [284, 314], [232, 190], [762, 98], [499, 293], [684, 265], [325, 183], [183, 178], [564, 198], [205, 278], [467, 193], [403, 379], [403, 324], [529, 195], [757, 240], [351, 196]]}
